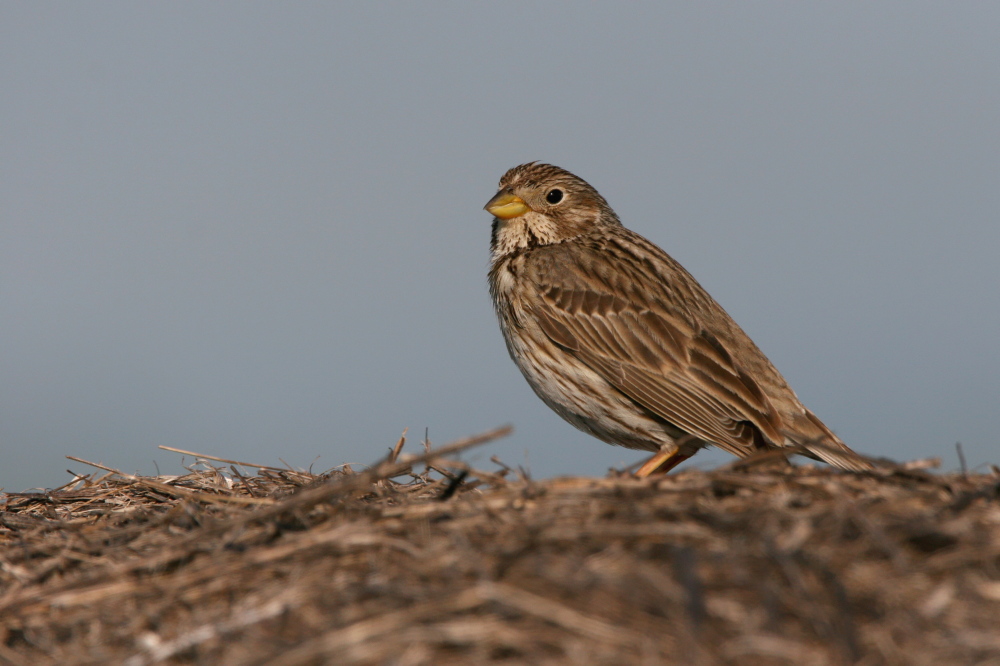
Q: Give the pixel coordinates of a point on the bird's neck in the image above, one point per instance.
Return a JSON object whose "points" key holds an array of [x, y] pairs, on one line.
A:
{"points": [[522, 233]]}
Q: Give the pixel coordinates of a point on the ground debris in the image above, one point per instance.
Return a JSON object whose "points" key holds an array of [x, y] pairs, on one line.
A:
{"points": [[427, 560]]}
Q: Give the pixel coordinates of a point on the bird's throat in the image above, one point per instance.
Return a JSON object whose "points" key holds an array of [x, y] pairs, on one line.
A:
{"points": [[522, 233]]}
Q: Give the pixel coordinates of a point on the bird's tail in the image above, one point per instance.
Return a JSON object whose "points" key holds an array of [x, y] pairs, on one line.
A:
{"points": [[819, 442]]}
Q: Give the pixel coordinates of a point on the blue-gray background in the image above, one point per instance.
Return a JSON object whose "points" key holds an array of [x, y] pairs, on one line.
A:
{"points": [[255, 230]]}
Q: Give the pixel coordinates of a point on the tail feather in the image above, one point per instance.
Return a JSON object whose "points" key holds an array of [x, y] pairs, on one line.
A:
{"points": [[822, 444]]}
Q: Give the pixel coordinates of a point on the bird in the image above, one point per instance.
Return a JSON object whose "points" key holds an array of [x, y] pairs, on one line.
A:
{"points": [[622, 342]]}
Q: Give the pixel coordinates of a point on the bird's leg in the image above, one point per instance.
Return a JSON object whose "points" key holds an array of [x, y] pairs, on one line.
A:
{"points": [[662, 462]]}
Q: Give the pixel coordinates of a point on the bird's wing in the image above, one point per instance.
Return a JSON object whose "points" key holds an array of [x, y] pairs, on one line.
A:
{"points": [[655, 353]]}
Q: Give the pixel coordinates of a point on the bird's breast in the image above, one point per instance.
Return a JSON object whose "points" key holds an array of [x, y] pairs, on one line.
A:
{"points": [[507, 296]]}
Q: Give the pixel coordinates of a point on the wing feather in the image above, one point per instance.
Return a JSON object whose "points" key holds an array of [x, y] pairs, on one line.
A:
{"points": [[655, 353]]}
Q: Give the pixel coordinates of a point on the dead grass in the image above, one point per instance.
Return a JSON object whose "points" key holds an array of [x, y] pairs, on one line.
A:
{"points": [[401, 564]]}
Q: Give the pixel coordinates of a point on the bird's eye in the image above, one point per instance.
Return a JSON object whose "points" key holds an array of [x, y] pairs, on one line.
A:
{"points": [[554, 196]]}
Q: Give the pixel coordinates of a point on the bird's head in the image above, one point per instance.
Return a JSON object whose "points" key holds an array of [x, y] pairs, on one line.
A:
{"points": [[540, 204]]}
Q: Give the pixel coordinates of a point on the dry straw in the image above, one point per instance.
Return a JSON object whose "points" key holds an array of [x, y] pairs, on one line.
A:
{"points": [[424, 559]]}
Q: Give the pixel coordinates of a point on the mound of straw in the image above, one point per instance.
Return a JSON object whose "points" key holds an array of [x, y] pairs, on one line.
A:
{"points": [[423, 559]]}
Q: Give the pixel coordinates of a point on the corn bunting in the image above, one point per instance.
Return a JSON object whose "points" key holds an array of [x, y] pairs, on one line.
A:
{"points": [[619, 340]]}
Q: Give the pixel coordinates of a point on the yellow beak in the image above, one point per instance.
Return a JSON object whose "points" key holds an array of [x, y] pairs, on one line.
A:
{"points": [[505, 206]]}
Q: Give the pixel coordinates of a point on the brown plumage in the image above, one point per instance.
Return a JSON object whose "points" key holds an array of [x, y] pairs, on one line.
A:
{"points": [[620, 340]]}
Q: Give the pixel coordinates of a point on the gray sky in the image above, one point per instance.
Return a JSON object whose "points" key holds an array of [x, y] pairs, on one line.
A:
{"points": [[256, 230]]}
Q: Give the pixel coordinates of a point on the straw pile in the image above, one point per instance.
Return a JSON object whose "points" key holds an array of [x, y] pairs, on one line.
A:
{"points": [[425, 560]]}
